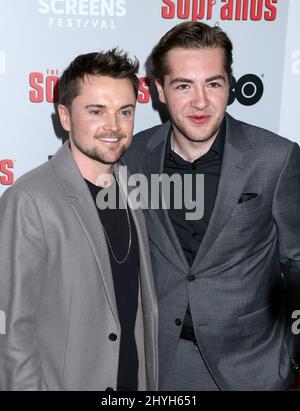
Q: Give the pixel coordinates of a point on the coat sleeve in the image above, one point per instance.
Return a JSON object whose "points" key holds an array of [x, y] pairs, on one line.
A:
{"points": [[22, 262], [286, 211]]}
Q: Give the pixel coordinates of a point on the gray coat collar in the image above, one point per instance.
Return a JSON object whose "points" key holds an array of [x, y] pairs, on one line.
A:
{"points": [[82, 204]]}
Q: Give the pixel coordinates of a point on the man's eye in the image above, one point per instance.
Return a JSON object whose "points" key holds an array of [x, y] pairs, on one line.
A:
{"points": [[127, 113], [183, 87], [214, 85], [95, 112]]}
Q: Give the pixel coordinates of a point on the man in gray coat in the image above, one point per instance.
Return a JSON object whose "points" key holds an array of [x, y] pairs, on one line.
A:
{"points": [[77, 300], [223, 322]]}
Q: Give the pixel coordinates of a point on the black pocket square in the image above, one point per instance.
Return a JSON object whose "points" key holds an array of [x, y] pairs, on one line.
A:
{"points": [[246, 196]]}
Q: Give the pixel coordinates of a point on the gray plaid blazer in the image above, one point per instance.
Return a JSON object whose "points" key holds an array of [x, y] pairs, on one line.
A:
{"points": [[238, 297]]}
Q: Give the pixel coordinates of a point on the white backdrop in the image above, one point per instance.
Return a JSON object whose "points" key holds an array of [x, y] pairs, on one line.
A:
{"points": [[39, 38]]}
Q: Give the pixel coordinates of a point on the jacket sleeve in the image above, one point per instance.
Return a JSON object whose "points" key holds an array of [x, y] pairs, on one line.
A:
{"points": [[286, 211], [22, 262]]}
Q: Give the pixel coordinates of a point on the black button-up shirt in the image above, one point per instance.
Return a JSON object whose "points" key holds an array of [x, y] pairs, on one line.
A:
{"points": [[191, 232]]}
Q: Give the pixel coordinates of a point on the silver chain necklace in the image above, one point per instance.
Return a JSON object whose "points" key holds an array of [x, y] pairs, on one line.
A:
{"points": [[117, 260]]}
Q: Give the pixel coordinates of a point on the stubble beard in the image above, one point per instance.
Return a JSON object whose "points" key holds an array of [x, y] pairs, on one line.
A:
{"points": [[95, 153], [192, 136]]}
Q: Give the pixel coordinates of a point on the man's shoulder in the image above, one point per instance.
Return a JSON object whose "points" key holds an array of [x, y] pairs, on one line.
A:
{"points": [[149, 131], [264, 143], [43, 180], [34, 178], [259, 136], [34, 183], [144, 142], [145, 137]]}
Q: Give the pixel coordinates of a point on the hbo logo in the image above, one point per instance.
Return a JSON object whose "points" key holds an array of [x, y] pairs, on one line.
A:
{"points": [[248, 90]]}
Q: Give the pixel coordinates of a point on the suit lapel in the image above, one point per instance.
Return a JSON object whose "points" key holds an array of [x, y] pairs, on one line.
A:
{"points": [[83, 206], [234, 174]]}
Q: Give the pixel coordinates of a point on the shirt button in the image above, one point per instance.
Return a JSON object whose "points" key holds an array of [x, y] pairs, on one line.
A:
{"points": [[178, 322], [112, 337], [109, 389], [191, 278]]}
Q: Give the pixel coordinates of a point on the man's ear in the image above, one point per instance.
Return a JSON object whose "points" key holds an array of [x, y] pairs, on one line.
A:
{"points": [[65, 117], [160, 90]]}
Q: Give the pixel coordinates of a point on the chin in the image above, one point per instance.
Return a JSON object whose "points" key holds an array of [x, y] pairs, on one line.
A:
{"points": [[111, 160], [199, 139]]}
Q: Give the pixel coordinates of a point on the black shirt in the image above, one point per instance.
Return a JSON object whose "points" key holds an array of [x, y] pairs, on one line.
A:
{"points": [[125, 278], [191, 232]]}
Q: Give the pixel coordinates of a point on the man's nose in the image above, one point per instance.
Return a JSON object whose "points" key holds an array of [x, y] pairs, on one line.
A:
{"points": [[200, 99], [111, 123]]}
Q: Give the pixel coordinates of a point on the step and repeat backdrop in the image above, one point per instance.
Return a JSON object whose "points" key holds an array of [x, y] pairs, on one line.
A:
{"points": [[39, 38]]}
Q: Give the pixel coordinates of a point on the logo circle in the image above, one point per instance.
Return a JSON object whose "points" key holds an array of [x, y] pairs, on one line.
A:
{"points": [[249, 89]]}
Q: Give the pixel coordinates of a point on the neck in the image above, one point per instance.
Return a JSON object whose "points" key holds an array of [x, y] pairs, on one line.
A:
{"points": [[190, 150], [90, 169]]}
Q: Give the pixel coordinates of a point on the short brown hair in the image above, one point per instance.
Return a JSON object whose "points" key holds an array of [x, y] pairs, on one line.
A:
{"points": [[113, 63], [190, 35]]}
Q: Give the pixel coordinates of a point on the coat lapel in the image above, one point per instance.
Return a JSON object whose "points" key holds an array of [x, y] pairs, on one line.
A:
{"points": [[83, 206], [234, 174]]}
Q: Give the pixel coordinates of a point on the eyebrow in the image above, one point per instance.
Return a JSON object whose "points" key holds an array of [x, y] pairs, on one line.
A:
{"points": [[104, 106], [127, 106], [95, 106], [189, 81], [181, 80], [217, 77]]}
